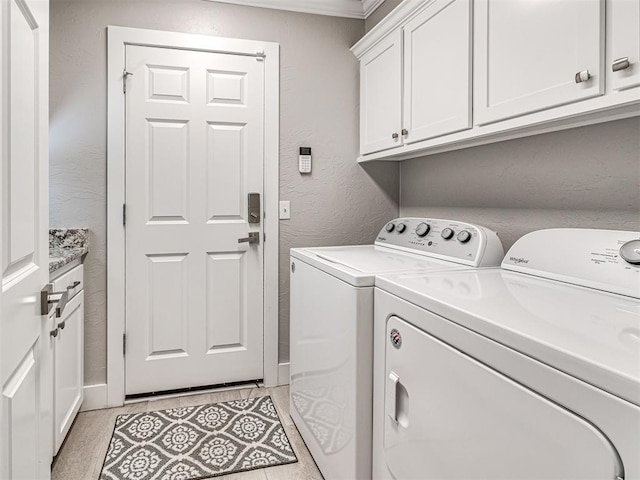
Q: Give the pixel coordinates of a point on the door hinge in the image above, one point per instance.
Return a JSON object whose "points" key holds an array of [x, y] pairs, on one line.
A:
{"points": [[124, 214], [125, 75], [124, 344]]}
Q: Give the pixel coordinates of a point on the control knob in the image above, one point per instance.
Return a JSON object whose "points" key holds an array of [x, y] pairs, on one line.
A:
{"points": [[390, 227], [401, 227], [422, 229], [464, 236], [447, 233], [630, 252]]}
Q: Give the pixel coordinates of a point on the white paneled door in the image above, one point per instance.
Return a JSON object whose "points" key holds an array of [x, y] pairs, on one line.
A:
{"points": [[26, 403], [194, 151]]}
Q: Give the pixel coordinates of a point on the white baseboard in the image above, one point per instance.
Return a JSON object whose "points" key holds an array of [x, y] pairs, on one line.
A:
{"points": [[283, 373], [95, 397]]}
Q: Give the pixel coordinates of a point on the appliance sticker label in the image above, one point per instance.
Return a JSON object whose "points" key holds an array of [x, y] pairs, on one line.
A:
{"points": [[396, 339]]}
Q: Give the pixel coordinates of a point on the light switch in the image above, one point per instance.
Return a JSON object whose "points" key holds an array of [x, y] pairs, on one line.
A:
{"points": [[285, 210]]}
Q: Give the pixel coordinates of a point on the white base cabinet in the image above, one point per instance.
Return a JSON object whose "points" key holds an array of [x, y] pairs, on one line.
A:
{"points": [[68, 354]]}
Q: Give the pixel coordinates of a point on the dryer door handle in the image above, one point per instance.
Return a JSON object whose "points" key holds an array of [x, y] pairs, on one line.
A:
{"points": [[391, 396]]}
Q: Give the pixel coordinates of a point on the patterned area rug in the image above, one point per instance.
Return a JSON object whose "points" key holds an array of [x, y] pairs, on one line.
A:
{"points": [[191, 443]]}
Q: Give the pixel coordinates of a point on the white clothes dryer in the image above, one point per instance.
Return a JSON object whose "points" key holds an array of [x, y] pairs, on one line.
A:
{"points": [[331, 313], [531, 371]]}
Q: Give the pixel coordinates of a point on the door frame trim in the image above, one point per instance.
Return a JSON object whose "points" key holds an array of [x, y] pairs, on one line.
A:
{"points": [[117, 39]]}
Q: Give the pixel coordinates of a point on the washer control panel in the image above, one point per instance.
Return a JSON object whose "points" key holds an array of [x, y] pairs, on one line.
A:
{"points": [[446, 239]]}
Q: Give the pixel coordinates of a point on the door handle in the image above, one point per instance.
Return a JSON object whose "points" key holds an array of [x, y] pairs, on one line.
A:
{"points": [[390, 398], [47, 302], [254, 237]]}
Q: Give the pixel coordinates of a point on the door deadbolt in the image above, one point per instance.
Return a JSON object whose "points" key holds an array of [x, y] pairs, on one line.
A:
{"points": [[253, 207]]}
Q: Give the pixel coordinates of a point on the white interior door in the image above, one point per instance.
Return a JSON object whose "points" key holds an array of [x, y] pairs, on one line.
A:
{"points": [[26, 433], [194, 151]]}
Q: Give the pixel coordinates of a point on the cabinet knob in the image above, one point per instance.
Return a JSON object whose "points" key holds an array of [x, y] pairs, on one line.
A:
{"points": [[620, 64], [405, 132], [61, 325], [394, 136], [583, 76], [54, 333]]}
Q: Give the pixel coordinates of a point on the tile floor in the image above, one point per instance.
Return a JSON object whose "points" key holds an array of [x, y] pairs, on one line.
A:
{"points": [[82, 454]]}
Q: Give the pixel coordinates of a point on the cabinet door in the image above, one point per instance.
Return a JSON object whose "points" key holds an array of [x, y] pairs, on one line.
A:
{"points": [[528, 52], [448, 416], [437, 71], [381, 95], [68, 368], [623, 43]]}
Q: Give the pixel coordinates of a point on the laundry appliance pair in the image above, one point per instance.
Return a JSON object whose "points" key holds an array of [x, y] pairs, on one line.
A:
{"points": [[531, 370]]}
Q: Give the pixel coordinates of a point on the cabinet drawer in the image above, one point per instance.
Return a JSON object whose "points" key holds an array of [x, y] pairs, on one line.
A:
{"points": [[72, 281]]}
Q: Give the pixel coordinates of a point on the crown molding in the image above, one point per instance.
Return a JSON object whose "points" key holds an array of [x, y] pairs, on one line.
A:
{"points": [[369, 6], [396, 18], [335, 8]]}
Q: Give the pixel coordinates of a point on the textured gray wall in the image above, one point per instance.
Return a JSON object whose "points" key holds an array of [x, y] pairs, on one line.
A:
{"points": [[584, 177], [340, 203], [379, 13]]}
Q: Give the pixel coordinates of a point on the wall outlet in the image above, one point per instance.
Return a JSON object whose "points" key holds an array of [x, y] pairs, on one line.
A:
{"points": [[285, 210]]}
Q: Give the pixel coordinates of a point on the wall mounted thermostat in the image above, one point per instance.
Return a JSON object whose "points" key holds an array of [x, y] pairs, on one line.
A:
{"points": [[304, 160]]}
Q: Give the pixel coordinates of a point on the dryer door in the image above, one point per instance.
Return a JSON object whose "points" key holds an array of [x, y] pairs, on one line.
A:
{"points": [[447, 416]]}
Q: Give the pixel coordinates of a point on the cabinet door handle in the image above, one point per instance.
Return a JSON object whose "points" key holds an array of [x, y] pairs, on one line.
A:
{"points": [[405, 132], [73, 285], [583, 76], [620, 64], [394, 136]]}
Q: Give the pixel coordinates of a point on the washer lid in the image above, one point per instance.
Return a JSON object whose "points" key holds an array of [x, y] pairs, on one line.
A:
{"points": [[590, 334], [359, 264]]}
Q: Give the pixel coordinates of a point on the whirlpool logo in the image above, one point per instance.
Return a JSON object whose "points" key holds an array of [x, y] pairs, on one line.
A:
{"points": [[519, 260]]}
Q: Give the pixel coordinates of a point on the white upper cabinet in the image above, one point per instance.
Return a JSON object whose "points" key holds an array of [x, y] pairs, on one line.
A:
{"points": [[437, 71], [623, 44], [440, 75], [532, 55], [381, 95]]}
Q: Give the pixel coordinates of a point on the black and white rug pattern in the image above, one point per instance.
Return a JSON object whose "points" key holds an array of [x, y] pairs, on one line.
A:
{"points": [[190, 443]]}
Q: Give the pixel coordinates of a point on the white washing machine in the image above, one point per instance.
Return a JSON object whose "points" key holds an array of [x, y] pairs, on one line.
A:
{"points": [[332, 329], [531, 371]]}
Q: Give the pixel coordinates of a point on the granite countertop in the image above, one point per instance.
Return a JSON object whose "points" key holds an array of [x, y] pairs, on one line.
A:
{"points": [[65, 245]]}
